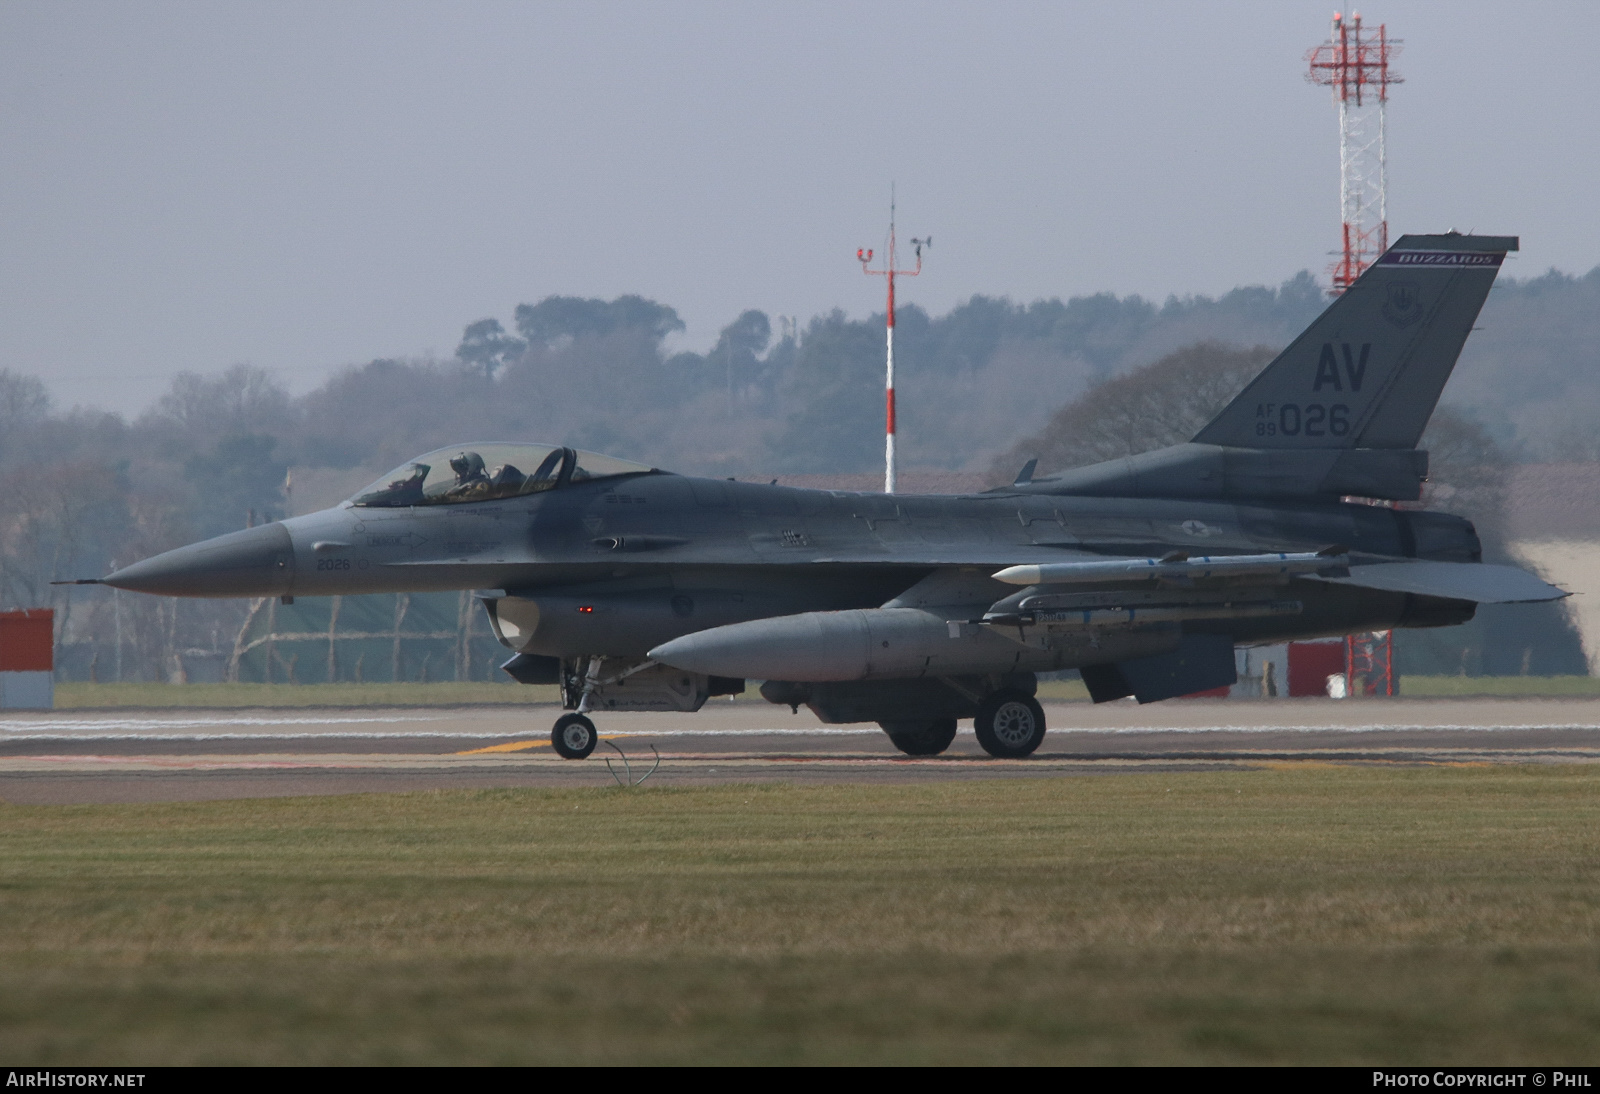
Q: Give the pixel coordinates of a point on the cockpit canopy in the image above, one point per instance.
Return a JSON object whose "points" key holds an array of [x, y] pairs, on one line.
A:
{"points": [[484, 472]]}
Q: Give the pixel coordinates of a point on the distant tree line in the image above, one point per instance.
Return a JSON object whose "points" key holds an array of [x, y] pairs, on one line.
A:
{"points": [[81, 488]]}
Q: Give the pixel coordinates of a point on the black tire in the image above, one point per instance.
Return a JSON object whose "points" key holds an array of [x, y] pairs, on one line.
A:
{"points": [[574, 736], [1010, 724], [927, 737]]}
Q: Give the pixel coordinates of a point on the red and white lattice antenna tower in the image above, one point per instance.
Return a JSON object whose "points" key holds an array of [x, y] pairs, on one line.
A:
{"points": [[864, 256], [1355, 62]]}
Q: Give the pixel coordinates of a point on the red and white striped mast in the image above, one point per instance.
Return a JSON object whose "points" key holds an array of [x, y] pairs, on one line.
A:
{"points": [[1355, 63], [864, 256]]}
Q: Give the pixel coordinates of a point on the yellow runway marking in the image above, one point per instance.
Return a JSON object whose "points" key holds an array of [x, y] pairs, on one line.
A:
{"points": [[510, 746], [523, 746]]}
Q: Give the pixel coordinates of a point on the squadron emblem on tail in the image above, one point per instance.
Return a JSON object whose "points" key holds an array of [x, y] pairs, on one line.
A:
{"points": [[1404, 306]]}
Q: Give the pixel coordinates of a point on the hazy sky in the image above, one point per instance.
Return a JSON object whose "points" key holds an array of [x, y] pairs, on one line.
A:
{"points": [[305, 185]]}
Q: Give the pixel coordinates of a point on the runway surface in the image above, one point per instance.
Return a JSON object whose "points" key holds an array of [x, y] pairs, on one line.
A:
{"points": [[124, 756]]}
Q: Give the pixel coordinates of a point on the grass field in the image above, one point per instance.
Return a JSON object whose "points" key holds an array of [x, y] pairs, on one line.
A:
{"points": [[1291, 914], [81, 696]]}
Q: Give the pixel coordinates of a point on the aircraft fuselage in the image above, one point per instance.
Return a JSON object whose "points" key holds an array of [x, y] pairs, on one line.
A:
{"points": [[752, 550]]}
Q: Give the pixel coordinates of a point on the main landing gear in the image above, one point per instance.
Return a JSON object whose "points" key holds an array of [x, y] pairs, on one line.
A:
{"points": [[574, 737], [927, 737], [1010, 724]]}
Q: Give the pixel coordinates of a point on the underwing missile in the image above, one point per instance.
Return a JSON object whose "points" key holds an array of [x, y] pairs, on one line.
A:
{"points": [[1159, 613], [1176, 567]]}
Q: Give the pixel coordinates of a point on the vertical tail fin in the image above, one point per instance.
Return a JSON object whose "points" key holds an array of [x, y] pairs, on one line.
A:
{"points": [[1368, 372]]}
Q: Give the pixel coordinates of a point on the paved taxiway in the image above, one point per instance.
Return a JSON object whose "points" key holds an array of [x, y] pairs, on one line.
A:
{"points": [[103, 756]]}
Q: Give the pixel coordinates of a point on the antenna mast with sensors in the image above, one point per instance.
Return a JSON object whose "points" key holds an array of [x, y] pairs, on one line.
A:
{"points": [[864, 256], [1354, 62]]}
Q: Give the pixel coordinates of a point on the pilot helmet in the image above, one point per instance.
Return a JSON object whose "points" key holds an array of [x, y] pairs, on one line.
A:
{"points": [[466, 464]]}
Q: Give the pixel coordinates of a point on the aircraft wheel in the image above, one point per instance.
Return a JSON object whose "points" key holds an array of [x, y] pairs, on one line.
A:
{"points": [[1010, 724], [574, 736], [924, 738]]}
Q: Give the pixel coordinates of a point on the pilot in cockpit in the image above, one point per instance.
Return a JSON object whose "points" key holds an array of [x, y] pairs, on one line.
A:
{"points": [[471, 478]]}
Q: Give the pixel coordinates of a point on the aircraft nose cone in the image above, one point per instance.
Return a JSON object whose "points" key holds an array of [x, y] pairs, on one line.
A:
{"points": [[254, 562]]}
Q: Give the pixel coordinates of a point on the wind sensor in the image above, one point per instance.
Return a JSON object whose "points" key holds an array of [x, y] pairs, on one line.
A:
{"points": [[864, 256]]}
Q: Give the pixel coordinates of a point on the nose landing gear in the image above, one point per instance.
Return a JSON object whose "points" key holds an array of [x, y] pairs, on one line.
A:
{"points": [[574, 736]]}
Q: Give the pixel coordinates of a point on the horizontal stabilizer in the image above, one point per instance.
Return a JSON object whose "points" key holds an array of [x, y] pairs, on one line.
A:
{"points": [[1481, 582]]}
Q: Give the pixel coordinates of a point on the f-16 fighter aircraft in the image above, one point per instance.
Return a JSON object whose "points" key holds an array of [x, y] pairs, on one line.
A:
{"points": [[637, 589]]}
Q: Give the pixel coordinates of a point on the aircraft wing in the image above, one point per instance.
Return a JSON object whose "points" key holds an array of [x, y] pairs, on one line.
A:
{"points": [[1484, 583], [1045, 564]]}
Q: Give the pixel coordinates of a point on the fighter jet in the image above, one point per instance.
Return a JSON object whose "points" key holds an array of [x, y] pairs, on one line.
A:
{"points": [[637, 589]]}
